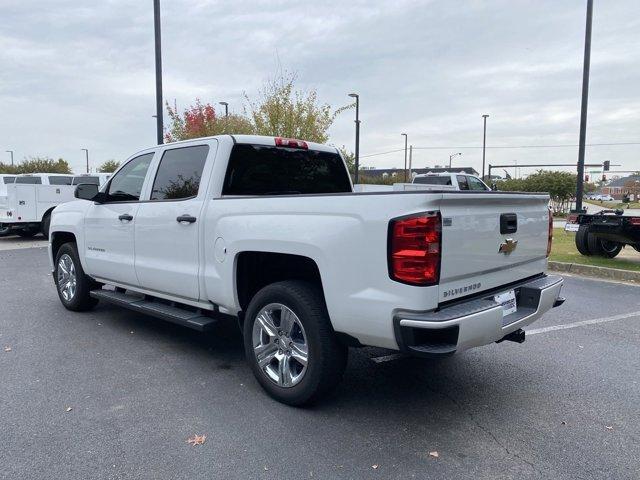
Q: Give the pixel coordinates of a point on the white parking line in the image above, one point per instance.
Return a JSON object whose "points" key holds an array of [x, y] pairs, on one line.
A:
{"points": [[582, 323]]}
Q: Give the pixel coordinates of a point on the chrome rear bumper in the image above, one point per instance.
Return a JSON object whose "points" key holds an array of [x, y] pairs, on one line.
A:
{"points": [[475, 322]]}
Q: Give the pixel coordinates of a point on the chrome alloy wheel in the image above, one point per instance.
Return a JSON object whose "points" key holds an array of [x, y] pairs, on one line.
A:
{"points": [[280, 345], [66, 277]]}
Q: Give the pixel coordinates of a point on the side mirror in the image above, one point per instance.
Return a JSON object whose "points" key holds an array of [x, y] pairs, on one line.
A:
{"points": [[86, 191]]}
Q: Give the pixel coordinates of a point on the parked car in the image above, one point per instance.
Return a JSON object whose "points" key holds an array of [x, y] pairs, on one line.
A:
{"points": [[30, 199], [601, 197], [460, 181], [267, 232]]}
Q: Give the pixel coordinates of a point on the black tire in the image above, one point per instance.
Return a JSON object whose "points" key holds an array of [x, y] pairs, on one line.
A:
{"points": [[80, 300], [27, 233], [4, 231], [45, 225], [594, 244], [610, 249], [327, 357], [581, 240]]}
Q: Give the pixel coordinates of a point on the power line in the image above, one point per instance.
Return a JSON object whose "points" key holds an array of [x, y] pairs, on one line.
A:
{"points": [[505, 147]]}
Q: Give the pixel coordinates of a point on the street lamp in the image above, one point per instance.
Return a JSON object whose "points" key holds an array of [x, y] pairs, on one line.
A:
{"points": [[86, 151], [453, 155], [226, 108], [357, 163], [11, 153], [405, 155], [484, 142]]}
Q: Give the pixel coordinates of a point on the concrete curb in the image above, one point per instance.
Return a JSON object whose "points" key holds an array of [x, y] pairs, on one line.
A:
{"points": [[593, 271]]}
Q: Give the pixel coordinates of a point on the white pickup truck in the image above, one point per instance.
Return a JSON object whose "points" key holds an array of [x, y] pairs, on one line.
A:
{"points": [[267, 232]]}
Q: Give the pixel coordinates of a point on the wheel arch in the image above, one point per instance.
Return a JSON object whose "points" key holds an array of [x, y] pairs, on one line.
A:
{"points": [[256, 269]]}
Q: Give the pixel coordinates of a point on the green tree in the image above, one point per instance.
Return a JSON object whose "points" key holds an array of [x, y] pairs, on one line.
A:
{"points": [[349, 159], [109, 166], [287, 112], [561, 187], [37, 165]]}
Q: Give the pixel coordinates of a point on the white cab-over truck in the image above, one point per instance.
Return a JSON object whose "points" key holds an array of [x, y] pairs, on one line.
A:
{"points": [[27, 200], [267, 232]]}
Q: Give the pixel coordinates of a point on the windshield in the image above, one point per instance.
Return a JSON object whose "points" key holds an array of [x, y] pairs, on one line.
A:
{"points": [[433, 180], [266, 170]]}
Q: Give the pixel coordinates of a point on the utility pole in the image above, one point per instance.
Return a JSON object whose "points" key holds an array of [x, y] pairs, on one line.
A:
{"points": [[484, 142], [405, 156], [11, 153], [158, 46], [583, 108], [357, 152], [86, 151]]}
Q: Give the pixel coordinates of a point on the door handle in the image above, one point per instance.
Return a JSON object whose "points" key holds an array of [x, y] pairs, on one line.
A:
{"points": [[126, 217], [186, 218]]}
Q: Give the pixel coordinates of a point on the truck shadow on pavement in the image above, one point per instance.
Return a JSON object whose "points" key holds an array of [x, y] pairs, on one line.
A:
{"points": [[409, 384]]}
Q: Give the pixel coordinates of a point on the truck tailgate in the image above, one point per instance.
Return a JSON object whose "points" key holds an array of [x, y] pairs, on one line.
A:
{"points": [[472, 260]]}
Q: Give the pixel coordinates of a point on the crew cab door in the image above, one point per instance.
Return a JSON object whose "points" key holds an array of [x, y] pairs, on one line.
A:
{"points": [[108, 226], [168, 226]]}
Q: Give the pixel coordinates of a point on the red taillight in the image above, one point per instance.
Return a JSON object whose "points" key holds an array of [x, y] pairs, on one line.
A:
{"points": [[550, 238], [291, 143], [414, 249], [634, 220], [573, 218]]}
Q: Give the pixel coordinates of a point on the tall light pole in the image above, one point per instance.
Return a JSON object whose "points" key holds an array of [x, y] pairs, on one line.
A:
{"points": [[453, 155], [583, 107], [405, 155], [158, 51], [484, 142], [226, 108], [11, 153], [86, 151], [357, 162]]}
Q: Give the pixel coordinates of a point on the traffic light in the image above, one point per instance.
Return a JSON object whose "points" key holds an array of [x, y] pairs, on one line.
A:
{"points": [[586, 178], [606, 165]]}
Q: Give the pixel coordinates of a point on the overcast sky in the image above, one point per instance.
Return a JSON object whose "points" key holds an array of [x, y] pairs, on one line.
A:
{"points": [[78, 74]]}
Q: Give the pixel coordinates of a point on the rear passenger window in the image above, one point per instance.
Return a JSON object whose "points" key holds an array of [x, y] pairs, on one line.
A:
{"points": [[29, 180], [462, 182], [8, 180], [59, 180], [179, 173]]}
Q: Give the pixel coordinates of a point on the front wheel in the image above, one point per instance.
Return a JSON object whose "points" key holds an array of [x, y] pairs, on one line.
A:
{"points": [[290, 343], [72, 284]]}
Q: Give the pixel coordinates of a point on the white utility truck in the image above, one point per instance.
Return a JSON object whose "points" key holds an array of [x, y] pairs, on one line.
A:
{"points": [[30, 199], [267, 232]]}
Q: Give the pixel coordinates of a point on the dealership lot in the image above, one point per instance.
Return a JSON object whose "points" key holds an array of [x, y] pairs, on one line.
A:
{"points": [[114, 394]]}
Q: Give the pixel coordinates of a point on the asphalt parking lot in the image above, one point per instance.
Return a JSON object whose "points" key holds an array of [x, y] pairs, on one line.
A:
{"points": [[115, 394]]}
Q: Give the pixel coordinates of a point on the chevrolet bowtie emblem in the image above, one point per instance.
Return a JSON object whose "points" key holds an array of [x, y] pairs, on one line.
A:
{"points": [[508, 246]]}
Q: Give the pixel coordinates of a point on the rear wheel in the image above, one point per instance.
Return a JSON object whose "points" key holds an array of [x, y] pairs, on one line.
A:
{"points": [[72, 284], [46, 223], [4, 231], [610, 249], [581, 240], [290, 343]]}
